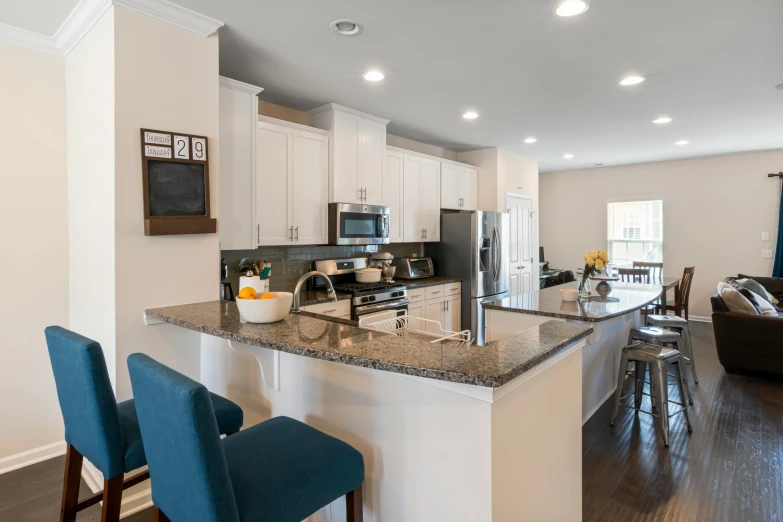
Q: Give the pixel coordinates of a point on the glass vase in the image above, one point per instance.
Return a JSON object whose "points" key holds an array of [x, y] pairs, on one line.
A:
{"points": [[584, 286]]}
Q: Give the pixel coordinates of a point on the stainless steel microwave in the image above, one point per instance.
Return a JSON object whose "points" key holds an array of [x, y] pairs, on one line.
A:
{"points": [[357, 224]]}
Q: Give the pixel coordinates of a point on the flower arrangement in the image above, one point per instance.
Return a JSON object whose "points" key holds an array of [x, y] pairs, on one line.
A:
{"points": [[595, 261]]}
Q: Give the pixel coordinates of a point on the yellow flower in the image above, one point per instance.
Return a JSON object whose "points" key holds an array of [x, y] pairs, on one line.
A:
{"points": [[599, 263]]}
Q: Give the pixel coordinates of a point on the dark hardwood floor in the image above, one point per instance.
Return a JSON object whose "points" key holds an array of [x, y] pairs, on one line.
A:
{"points": [[33, 494], [729, 469]]}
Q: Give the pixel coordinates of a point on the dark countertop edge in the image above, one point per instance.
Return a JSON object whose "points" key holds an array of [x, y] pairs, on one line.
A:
{"points": [[352, 360], [490, 306], [541, 358], [413, 284]]}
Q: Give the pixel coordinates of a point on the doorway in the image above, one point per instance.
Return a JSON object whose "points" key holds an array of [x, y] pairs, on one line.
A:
{"points": [[520, 210]]}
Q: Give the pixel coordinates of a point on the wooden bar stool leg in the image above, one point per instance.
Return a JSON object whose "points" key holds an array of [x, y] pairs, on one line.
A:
{"points": [[112, 499], [353, 505], [71, 483], [159, 516]]}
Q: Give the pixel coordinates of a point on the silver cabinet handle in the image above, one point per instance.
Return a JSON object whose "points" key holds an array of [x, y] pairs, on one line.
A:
{"points": [[433, 293], [364, 192], [297, 233], [443, 306], [290, 233], [329, 311], [360, 193], [447, 306], [258, 233]]}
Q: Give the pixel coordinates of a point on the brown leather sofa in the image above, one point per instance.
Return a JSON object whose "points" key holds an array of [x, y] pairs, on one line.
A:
{"points": [[750, 344]]}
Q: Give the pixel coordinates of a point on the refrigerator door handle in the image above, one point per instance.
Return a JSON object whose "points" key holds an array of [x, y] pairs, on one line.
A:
{"points": [[496, 252]]}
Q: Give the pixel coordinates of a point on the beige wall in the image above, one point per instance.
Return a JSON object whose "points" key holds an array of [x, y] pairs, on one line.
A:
{"points": [[34, 262], [295, 116], [714, 209]]}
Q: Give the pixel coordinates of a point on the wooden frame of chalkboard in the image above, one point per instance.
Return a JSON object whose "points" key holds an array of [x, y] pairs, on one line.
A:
{"points": [[175, 177]]}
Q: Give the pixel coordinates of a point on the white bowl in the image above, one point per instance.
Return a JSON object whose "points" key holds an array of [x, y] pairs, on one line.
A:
{"points": [[368, 275], [265, 310], [569, 294]]}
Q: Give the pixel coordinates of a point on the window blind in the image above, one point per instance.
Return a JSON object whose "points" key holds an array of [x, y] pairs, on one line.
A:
{"points": [[635, 231]]}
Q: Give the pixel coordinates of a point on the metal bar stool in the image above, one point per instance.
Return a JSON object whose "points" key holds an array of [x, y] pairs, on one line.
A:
{"points": [[658, 358], [680, 325], [661, 337]]}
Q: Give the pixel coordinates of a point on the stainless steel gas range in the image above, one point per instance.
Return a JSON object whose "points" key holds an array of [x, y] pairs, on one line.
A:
{"points": [[369, 301]]}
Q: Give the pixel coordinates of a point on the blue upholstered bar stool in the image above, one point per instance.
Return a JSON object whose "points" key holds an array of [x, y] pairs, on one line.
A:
{"points": [[99, 428], [281, 470]]}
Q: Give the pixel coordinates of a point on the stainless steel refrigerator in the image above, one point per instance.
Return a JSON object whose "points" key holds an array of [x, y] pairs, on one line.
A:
{"points": [[473, 246]]}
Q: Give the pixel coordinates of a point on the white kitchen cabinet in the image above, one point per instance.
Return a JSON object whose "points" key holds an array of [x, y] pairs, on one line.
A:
{"points": [[292, 178], [357, 166], [441, 303], [417, 309], [340, 308], [421, 198], [458, 186], [237, 136], [394, 192], [452, 316]]}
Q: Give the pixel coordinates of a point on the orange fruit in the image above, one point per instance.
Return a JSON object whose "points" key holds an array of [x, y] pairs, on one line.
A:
{"points": [[247, 293], [267, 296]]}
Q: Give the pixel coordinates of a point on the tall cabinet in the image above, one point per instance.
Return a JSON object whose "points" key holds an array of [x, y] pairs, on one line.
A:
{"points": [[458, 186], [237, 131], [357, 154], [291, 184]]}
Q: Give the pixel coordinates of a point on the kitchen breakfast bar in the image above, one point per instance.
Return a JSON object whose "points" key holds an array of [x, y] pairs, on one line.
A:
{"points": [[611, 321], [448, 430]]}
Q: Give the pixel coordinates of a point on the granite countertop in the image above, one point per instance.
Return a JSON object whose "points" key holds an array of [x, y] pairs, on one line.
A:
{"points": [[413, 284], [492, 365], [547, 302]]}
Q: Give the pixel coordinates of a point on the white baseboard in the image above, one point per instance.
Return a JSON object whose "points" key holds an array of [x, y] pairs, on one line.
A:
{"points": [[700, 319], [601, 403], [131, 503], [33, 456]]}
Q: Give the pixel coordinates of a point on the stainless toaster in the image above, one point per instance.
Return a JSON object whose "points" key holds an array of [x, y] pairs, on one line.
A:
{"points": [[413, 267]]}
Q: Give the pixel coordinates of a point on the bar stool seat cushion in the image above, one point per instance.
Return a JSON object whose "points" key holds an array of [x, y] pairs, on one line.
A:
{"points": [[285, 470], [229, 418]]}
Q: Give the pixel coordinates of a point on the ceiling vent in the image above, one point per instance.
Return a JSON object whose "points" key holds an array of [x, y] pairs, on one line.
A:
{"points": [[346, 27]]}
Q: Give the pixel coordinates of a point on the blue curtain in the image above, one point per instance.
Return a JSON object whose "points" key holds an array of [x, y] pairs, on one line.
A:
{"points": [[777, 270]]}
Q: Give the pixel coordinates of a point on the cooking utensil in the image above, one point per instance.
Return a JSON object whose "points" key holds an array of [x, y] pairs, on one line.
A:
{"points": [[388, 273], [368, 275]]}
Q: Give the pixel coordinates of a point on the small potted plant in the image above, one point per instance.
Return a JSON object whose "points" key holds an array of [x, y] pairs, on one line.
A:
{"points": [[595, 262]]}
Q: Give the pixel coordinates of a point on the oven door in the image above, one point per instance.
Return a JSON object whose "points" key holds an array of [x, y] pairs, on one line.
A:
{"points": [[379, 312], [351, 224]]}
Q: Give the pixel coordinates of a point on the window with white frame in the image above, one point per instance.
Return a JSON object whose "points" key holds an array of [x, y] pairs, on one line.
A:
{"points": [[635, 231]]}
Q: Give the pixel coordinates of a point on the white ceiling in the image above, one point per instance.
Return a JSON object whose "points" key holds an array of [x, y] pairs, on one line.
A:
{"points": [[40, 16], [712, 65]]}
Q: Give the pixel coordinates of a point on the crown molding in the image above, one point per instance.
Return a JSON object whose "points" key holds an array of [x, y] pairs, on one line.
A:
{"points": [[342, 108], [236, 85], [29, 39], [87, 13]]}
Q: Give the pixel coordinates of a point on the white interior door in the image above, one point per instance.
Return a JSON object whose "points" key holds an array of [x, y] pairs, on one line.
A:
{"points": [[520, 209], [310, 188], [273, 190]]}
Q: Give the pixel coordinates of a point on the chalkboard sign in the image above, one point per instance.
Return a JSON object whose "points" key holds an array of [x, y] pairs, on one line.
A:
{"points": [[175, 176]]}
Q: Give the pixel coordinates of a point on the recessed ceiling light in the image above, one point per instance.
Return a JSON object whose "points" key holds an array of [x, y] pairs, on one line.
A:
{"points": [[571, 8], [530, 140], [568, 156], [346, 27], [374, 76], [470, 115], [681, 143], [631, 80], [662, 120]]}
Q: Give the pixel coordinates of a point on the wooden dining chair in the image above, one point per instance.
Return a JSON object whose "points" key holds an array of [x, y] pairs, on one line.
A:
{"points": [[680, 306], [655, 269], [635, 275]]}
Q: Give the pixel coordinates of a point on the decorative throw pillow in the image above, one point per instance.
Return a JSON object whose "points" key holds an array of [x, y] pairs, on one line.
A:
{"points": [[755, 287], [735, 301], [765, 307], [747, 294]]}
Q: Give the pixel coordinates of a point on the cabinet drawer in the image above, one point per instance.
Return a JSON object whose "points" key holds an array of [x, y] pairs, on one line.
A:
{"points": [[417, 295], [338, 309], [436, 292], [453, 288]]}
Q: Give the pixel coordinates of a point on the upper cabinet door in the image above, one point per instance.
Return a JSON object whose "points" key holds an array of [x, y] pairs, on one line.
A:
{"points": [[273, 190], [372, 156], [430, 199], [394, 198], [471, 188], [347, 136], [451, 186], [310, 187], [412, 222]]}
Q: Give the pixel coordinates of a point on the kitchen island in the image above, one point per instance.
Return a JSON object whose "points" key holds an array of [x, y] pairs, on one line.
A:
{"points": [[449, 431], [611, 322]]}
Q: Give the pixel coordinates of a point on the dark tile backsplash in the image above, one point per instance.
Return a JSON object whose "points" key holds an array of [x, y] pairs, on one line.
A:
{"points": [[289, 263]]}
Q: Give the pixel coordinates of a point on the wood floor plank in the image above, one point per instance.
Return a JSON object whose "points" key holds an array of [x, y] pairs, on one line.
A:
{"points": [[747, 495]]}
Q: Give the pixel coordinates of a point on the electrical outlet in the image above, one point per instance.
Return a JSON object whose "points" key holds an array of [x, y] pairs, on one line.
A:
{"points": [[766, 254], [765, 236]]}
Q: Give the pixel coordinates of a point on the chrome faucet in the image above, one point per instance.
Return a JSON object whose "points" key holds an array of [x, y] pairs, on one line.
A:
{"points": [[303, 280]]}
